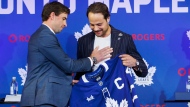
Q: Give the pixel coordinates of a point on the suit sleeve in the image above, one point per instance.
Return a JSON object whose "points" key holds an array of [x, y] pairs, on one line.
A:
{"points": [[50, 47], [80, 51], [143, 71]]}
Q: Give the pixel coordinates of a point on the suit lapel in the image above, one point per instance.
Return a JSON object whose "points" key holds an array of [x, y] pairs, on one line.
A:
{"points": [[115, 41], [90, 45]]}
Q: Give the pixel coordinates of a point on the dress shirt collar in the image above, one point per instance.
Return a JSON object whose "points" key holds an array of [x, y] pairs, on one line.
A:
{"points": [[49, 28]]}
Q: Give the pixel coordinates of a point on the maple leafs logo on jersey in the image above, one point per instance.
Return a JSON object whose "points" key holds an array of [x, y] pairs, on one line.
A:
{"points": [[148, 80], [90, 98], [188, 34], [86, 29], [113, 103], [23, 73]]}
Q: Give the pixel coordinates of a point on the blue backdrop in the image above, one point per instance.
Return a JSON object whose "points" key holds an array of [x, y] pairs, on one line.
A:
{"points": [[160, 29]]}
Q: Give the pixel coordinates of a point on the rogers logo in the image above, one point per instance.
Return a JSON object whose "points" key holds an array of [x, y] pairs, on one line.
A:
{"points": [[183, 72], [21, 38], [148, 36]]}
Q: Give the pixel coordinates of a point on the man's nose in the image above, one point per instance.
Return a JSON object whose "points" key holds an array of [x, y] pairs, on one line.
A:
{"points": [[96, 28]]}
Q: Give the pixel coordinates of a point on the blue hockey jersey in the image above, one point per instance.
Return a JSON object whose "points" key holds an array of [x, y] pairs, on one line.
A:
{"points": [[111, 85]]}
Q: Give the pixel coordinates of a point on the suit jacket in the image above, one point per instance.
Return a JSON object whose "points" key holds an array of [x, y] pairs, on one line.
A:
{"points": [[121, 43], [49, 71]]}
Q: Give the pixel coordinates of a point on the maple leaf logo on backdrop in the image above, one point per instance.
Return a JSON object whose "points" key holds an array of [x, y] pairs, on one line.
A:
{"points": [[23, 73], [148, 80], [86, 29], [188, 34]]}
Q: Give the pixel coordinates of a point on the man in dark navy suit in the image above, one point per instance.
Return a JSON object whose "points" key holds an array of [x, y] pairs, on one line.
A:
{"points": [[102, 35], [49, 79]]}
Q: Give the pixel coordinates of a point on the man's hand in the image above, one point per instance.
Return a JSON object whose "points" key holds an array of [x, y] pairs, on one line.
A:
{"points": [[101, 54], [74, 82], [128, 60]]}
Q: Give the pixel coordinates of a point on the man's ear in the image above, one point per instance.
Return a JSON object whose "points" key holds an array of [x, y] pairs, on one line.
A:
{"points": [[108, 19], [52, 16]]}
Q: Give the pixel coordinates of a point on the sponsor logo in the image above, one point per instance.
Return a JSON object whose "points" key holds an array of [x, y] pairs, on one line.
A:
{"points": [[148, 36], [183, 72], [13, 38]]}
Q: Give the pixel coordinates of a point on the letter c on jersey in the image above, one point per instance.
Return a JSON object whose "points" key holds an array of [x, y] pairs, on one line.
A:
{"points": [[116, 83]]}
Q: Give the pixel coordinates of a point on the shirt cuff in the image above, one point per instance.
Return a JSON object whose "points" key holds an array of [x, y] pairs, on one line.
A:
{"points": [[91, 61]]}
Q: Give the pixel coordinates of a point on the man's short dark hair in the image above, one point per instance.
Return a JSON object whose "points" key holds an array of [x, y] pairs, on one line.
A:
{"points": [[55, 7], [98, 7]]}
